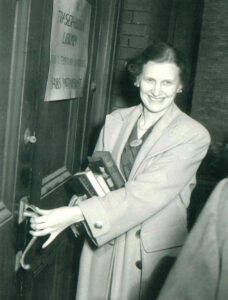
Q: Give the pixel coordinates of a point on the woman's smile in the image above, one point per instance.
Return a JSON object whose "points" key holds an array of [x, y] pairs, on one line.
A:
{"points": [[159, 84], [156, 99]]}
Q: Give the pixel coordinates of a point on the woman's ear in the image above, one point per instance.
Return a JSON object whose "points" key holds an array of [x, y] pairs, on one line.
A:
{"points": [[180, 90], [136, 83]]}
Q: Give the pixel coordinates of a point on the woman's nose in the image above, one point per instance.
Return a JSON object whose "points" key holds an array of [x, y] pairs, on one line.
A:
{"points": [[156, 89]]}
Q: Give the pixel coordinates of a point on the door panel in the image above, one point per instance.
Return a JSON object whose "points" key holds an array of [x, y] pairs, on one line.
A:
{"points": [[57, 143], [56, 137]]}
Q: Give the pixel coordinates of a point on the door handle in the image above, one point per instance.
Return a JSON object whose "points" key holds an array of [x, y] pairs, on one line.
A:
{"points": [[22, 259], [24, 206], [28, 137]]}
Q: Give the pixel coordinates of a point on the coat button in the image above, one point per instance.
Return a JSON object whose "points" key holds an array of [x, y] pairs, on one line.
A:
{"points": [[98, 225], [139, 264], [138, 232]]}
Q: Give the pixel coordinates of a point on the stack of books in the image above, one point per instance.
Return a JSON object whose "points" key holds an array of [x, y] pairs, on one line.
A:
{"points": [[101, 177]]}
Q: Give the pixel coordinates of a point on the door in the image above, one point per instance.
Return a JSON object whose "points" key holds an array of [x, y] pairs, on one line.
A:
{"points": [[44, 143], [46, 160]]}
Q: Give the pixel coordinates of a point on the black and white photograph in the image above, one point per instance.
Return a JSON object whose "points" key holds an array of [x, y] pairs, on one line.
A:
{"points": [[113, 150]]}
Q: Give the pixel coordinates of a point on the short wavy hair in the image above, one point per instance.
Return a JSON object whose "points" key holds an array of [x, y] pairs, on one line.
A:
{"points": [[158, 52]]}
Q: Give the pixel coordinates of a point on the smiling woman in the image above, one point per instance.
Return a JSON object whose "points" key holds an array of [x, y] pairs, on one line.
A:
{"points": [[159, 73], [158, 150], [159, 83]]}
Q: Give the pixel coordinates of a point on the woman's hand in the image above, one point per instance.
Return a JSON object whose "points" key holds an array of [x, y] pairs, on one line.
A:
{"points": [[54, 221]]}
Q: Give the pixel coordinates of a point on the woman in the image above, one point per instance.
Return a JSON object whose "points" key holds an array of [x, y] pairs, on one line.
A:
{"points": [[158, 149]]}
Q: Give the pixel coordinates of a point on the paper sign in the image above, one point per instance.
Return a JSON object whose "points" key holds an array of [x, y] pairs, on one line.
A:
{"points": [[68, 49]]}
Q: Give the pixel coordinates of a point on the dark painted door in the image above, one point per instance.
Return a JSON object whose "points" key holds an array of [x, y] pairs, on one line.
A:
{"points": [[44, 143], [36, 170], [47, 161]]}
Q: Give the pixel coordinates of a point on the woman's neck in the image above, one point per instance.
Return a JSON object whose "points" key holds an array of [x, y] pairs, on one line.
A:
{"points": [[147, 120]]}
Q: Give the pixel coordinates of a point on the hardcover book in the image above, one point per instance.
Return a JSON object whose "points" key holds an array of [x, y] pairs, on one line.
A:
{"points": [[90, 183], [102, 183], [102, 163]]}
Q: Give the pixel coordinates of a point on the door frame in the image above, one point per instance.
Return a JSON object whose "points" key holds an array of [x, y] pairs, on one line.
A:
{"points": [[102, 76]]}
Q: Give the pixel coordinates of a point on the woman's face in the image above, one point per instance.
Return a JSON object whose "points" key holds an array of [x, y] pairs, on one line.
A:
{"points": [[159, 83]]}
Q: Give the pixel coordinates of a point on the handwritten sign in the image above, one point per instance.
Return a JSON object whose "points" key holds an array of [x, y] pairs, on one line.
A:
{"points": [[68, 49]]}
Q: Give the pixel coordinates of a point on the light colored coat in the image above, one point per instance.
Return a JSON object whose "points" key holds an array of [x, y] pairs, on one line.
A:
{"points": [[146, 220], [201, 271]]}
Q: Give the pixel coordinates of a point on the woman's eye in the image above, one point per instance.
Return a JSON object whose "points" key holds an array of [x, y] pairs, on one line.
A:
{"points": [[167, 82], [151, 80]]}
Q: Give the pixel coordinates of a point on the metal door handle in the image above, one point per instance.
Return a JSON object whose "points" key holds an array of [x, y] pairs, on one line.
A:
{"points": [[22, 259], [28, 138], [33, 208]]}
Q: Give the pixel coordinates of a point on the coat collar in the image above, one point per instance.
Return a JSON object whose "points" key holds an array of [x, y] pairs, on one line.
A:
{"points": [[125, 127], [121, 128], [151, 146]]}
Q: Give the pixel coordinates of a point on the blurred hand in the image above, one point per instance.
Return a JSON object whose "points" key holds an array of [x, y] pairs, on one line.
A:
{"points": [[53, 221]]}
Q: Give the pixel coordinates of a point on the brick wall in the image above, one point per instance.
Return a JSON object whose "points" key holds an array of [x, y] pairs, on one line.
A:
{"points": [[210, 98], [141, 23], [132, 38]]}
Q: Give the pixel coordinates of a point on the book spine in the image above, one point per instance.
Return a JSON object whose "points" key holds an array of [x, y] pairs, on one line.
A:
{"points": [[113, 171], [102, 183], [110, 183], [95, 184], [86, 183]]}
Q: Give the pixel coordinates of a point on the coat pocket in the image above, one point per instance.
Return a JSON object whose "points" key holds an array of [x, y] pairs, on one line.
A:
{"points": [[163, 238]]}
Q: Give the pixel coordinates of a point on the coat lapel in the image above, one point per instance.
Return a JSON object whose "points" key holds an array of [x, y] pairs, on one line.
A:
{"points": [[158, 130], [124, 133], [121, 129]]}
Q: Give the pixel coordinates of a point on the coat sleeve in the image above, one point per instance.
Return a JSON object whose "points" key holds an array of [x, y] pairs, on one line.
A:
{"points": [[151, 191]]}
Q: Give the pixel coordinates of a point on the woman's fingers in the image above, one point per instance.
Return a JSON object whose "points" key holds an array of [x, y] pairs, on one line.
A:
{"points": [[44, 222], [39, 226], [39, 219], [50, 239], [29, 214], [45, 231], [42, 211]]}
